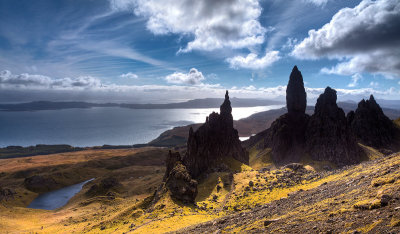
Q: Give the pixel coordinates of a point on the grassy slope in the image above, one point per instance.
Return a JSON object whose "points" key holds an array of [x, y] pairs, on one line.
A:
{"points": [[218, 197]]}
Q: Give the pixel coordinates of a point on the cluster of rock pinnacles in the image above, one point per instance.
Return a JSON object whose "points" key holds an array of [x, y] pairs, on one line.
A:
{"points": [[327, 135]]}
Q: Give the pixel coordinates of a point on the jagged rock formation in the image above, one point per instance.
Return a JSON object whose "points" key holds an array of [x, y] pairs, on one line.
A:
{"points": [[325, 136], [172, 159], [207, 148], [214, 141], [371, 125], [328, 135], [286, 134], [177, 180], [180, 184]]}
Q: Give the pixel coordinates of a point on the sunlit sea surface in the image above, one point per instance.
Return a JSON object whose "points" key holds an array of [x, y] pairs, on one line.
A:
{"points": [[101, 125]]}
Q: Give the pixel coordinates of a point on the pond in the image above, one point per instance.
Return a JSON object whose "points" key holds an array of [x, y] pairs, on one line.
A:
{"points": [[57, 198]]}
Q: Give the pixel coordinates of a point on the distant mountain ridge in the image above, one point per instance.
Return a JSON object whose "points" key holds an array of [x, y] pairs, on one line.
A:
{"points": [[195, 103]]}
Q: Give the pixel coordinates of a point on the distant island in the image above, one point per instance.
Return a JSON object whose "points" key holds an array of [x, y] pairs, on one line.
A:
{"points": [[195, 103]]}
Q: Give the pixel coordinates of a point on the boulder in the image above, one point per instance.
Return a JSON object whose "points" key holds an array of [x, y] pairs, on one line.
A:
{"points": [[328, 135], [213, 142], [371, 126]]}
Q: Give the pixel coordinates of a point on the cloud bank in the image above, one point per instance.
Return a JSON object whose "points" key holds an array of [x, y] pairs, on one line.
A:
{"points": [[27, 87], [365, 38], [25, 80], [212, 24]]}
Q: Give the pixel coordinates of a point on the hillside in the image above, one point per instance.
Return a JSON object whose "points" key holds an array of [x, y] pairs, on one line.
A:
{"points": [[258, 198]]}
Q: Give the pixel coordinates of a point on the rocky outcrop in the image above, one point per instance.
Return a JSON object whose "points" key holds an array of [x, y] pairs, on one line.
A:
{"points": [[213, 142], [172, 159], [328, 135], [105, 187], [286, 134], [6, 194], [371, 125], [180, 184], [40, 184]]}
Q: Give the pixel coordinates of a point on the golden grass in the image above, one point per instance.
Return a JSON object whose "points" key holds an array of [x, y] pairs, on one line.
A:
{"points": [[216, 197]]}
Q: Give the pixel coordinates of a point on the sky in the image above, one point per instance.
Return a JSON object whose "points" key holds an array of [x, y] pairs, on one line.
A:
{"points": [[158, 51]]}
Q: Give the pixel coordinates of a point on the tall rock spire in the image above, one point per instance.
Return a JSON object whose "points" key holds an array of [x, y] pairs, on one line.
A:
{"points": [[286, 134], [296, 97], [226, 110]]}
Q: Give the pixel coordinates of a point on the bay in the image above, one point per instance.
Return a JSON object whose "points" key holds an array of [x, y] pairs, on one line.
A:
{"points": [[101, 125]]}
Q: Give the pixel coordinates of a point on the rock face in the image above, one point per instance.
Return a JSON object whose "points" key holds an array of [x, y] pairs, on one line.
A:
{"points": [[328, 135], [180, 184], [371, 125], [286, 134], [40, 184], [215, 140]]}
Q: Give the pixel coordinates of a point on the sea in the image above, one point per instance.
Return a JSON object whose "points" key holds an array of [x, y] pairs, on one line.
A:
{"points": [[101, 125]]}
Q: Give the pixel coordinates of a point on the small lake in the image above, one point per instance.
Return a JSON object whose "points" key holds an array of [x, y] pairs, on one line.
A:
{"points": [[57, 198]]}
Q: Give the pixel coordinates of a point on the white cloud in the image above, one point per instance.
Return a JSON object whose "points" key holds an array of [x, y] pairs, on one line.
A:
{"points": [[213, 24], [129, 75], [354, 80], [365, 38], [25, 80], [252, 61], [194, 77], [26, 87]]}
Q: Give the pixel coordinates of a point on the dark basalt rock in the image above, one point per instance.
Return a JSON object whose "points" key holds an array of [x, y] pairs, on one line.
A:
{"points": [[328, 135], [214, 141], [286, 134], [40, 184], [286, 138], [296, 97], [172, 159], [325, 136], [180, 184], [207, 148], [371, 125]]}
